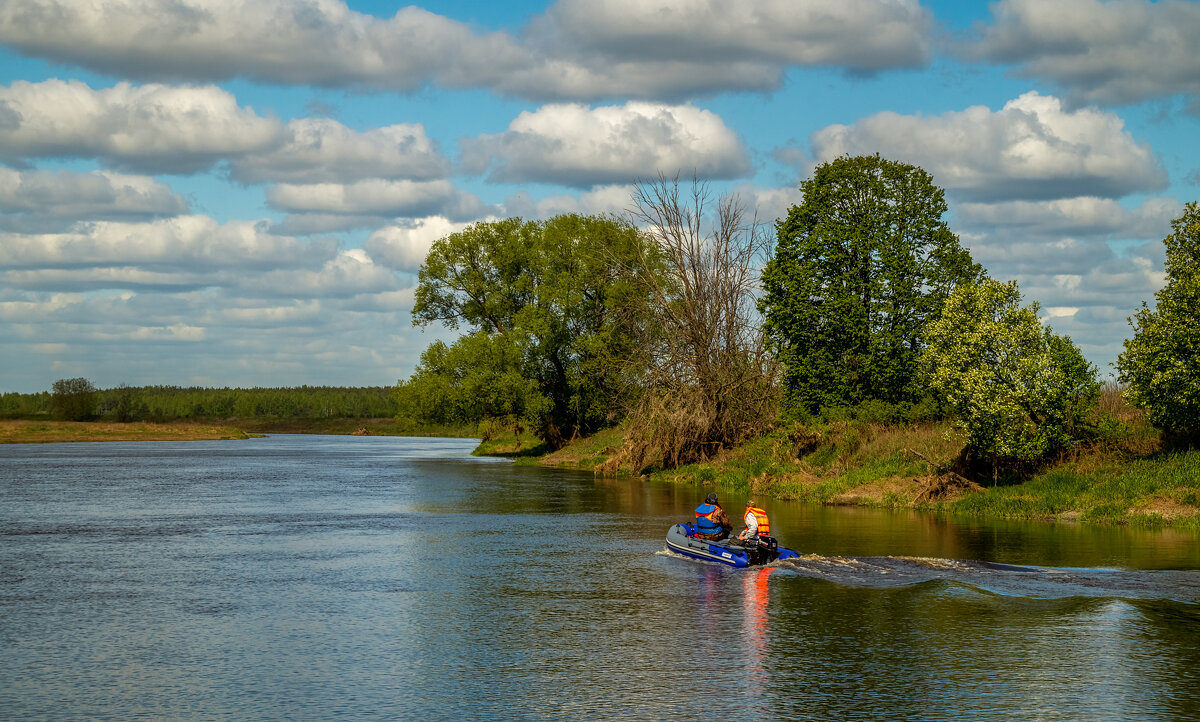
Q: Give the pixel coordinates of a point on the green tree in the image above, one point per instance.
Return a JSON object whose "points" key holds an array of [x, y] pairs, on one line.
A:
{"points": [[860, 267], [1019, 390], [1161, 363], [548, 302], [479, 376], [73, 399]]}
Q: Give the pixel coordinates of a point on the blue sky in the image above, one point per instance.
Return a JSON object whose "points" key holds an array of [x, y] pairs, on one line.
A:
{"points": [[240, 192]]}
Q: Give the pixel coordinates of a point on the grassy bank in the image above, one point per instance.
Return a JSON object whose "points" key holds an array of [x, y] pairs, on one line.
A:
{"points": [[862, 464], [39, 432], [45, 431]]}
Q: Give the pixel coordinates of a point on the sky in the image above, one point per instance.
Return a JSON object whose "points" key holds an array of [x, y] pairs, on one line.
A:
{"points": [[241, 192]]}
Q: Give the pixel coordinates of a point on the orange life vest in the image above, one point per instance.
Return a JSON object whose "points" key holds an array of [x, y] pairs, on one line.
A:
{"points": [[760, 516]]}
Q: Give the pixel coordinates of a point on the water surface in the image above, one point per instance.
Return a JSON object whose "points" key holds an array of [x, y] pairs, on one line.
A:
{"points": [[308, 577]]}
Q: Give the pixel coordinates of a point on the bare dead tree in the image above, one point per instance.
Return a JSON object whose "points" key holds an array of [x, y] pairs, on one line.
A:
{"points": [[708, 380]]}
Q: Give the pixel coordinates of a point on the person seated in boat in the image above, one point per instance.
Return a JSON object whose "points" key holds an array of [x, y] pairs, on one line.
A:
{"points": [[711, 522], [757, 524]]}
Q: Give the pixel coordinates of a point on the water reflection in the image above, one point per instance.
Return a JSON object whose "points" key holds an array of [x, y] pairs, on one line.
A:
{"points": [[756, 596]]}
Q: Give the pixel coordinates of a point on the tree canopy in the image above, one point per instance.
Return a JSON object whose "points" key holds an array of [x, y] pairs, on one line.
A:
{"points": [[1161, 363], [860, 267], [73, 399], [549, 304], [1018, 389]]}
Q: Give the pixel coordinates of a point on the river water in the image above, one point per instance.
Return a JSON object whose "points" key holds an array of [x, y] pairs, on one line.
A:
{"points": [[322, 577]]}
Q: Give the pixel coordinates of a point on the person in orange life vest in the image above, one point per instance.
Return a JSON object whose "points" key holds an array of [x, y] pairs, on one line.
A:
{"points": [[757, 524], [711, 521]]}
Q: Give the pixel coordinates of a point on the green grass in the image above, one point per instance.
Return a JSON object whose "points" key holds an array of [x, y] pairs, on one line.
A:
{"points": [[1122, 478], [1157, 490], [526, 445]]}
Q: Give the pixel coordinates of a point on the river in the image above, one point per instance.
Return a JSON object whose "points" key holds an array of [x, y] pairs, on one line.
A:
{"points": [[325, 577]]}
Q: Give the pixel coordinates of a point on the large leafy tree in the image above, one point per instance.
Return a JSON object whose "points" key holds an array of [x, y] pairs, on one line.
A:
{"points": [[73, 399], [1019, 390], [860, 267], [1161, 363], [548, 304]]}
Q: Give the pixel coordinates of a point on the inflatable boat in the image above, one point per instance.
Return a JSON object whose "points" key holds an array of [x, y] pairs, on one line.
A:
{"points": [[682, 539]]}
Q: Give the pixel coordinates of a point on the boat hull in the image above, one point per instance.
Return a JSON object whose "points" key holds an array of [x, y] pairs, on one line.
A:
{"points": [[681, 540]]}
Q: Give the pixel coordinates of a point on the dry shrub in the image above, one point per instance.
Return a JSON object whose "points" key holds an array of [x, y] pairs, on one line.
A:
{"points": [[804, 439], [1113, 403], [707, 379], [946, 486], [687, 426]]}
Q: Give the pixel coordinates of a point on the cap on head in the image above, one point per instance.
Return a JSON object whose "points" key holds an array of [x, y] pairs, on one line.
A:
{"points": [[750, 502], [711, 498]]}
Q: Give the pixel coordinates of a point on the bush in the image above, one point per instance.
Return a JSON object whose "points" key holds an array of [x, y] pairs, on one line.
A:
{"points": [[1020, 391], [1160, 362], [73, 399]]}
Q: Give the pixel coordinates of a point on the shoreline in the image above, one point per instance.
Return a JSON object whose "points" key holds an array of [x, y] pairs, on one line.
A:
{"points": [[1158, 490], [52, 432]]}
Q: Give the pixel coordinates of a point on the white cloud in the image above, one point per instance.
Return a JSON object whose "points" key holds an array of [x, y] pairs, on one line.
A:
{"points": [[1110, 51], [275, 341], [404, 247], [153, 128], [1031, 149], [319, 150], [189, 243], [614, 200], [579, 146], [1086, 216], [377, 198], [576, 50], [304, 224], [350, 273], [769, 204], [318, 42], [861, 35], [36, 200]]}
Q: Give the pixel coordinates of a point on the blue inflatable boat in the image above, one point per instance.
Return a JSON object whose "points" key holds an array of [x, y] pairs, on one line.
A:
{"points": [[681, 539]]}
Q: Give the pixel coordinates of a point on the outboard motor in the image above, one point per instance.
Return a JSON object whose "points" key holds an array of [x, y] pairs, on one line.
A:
{"points": [[768, 549]]}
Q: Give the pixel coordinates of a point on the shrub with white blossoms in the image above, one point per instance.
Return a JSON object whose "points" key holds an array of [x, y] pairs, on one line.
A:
{"points": [[1017, 389], [1161, 363]]}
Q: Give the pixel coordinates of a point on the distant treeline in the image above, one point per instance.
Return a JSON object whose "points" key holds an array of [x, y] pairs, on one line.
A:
{"points": [[167, 403]]}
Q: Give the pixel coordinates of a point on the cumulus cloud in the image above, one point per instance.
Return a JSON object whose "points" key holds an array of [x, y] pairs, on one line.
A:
{"points": [[614, 200], [304, 224], [1031, 149], [1098, 51], [319, 42], [579, 146], [369, 344], [860, 35], [376, 197], [404, 247], [349, 273], [1091, 217], [319, 150], [152, 128], [577, 50], [189, 244], [32, 201]]}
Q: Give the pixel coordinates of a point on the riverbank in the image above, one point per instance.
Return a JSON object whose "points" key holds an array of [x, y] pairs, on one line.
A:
{"points": [[860, 464], [28, 431], [42, 432]]}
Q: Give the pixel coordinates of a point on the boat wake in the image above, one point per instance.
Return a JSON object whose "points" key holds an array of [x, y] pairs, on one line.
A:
{"points": [[1002, 579]]}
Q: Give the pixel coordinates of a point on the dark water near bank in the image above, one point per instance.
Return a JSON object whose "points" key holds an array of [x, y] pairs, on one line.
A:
{"points": [[358, 577]]}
